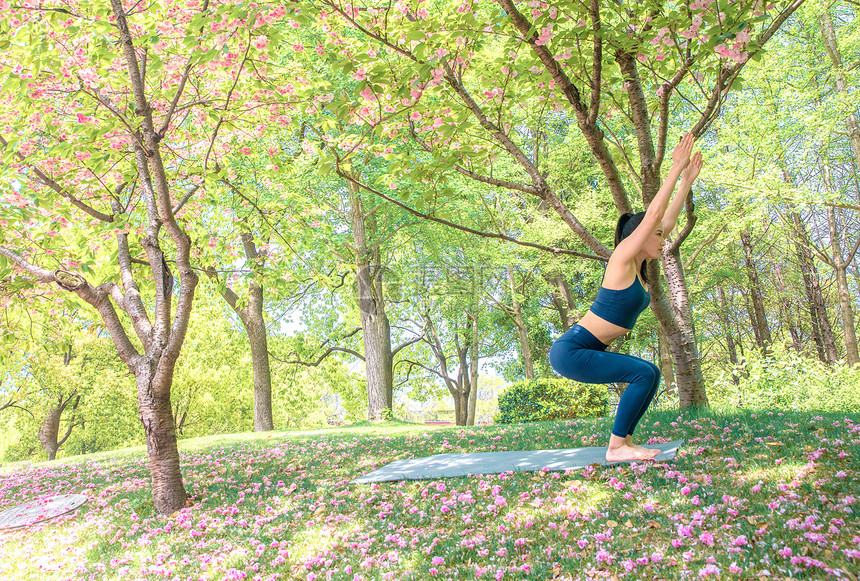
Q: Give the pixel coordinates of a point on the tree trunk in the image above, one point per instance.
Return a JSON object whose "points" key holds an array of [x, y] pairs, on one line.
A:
{"points": [[785, 305], [822, 331], [562, 300], [376, 331], [154, 377], [666, 369], [474, 349], [846, 309], [828, 35], [251, 316], [464, 378], [49, 431], [465, 385], [522, 330], [383, 332], [675, 316], [840, 266], [723, 315], [255, 327], [760, 327]]}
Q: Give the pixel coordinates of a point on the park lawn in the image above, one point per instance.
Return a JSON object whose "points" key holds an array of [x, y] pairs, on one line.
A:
{"points": [[750, 496]]}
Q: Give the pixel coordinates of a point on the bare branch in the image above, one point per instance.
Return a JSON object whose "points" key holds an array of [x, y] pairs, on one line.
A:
{"points": [[709, 240], [184, 199], [399, 204], [320, 359]]}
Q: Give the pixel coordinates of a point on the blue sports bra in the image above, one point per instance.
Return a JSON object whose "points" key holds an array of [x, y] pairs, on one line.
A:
{"points": [[621, 307]]}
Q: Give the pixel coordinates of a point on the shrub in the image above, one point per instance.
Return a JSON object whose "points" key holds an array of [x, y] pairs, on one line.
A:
{"points": [[536, 400], [786, 380]]}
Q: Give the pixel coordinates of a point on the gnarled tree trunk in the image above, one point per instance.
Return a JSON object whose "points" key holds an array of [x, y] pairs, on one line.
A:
{"points": [[49, 431], [154, 376]]}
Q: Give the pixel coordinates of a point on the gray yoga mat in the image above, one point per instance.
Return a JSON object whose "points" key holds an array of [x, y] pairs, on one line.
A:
{"points": [[452, 465], [36, 511]]}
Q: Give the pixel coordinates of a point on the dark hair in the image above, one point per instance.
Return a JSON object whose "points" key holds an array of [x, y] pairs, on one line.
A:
{"points": [[627, 223]]}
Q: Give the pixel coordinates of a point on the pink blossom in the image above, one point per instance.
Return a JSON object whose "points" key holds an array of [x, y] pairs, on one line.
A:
{"points": [[545, 36]]}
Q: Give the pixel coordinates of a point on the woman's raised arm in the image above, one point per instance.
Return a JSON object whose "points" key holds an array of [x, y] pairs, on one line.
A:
{"points": [[631, 245], [688, 176]]}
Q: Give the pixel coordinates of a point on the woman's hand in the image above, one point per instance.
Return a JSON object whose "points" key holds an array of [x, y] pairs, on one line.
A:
{"points": [[691, 172], [682, 151]]}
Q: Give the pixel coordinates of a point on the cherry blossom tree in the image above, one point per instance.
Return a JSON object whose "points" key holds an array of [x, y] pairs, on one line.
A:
{"points": [[114, 118], [475, 85]]}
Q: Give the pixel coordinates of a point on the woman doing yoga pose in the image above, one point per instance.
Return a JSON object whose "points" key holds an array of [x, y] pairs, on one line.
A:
{"points": [[580, 354]]}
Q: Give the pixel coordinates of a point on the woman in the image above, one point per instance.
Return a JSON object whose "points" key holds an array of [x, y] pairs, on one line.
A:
{"points": [[580, 354]]}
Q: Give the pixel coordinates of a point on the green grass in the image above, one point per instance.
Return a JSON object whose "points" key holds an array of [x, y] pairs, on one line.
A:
{"points": [[751, 494]]}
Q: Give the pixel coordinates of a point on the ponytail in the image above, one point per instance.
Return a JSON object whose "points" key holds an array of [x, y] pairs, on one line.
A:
{"points": [[619, 228], [627, 223]]}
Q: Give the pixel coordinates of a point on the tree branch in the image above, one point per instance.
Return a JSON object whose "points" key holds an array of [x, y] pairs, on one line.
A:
{"points": [[550, 249], [406, 344], [703, 245], [93, 296], [592, 133], [475, 176], [689, 208], [320, 359], [727, 75], [596, 64], [47, 181], [184, 199]]}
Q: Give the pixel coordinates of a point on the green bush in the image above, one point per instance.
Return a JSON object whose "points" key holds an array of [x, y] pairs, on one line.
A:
{"points": [[786, 380], [537, 400]]}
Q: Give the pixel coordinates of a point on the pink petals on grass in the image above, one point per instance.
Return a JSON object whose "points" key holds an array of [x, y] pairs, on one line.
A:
{"points": [[763, 494]]}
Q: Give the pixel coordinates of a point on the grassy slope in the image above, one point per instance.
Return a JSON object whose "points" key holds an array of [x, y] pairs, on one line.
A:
{"points": [[768, 494]]}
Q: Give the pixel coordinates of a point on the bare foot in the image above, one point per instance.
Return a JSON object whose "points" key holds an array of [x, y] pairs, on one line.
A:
{"points": [[628, 441], [625, 453]]}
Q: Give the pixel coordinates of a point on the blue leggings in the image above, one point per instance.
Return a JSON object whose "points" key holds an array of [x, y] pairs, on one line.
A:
{"points": [[580, 356]]}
